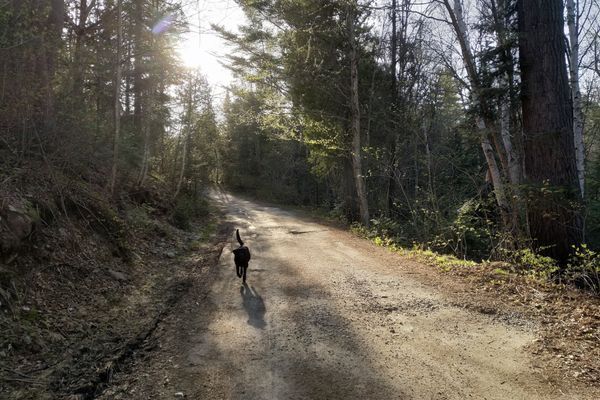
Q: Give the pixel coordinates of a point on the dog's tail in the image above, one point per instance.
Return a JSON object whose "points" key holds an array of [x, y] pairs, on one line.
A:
{"points": [[239, 239]]}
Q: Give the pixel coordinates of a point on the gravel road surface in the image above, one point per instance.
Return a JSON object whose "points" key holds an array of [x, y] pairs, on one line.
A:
{"points": [[326, 315]]}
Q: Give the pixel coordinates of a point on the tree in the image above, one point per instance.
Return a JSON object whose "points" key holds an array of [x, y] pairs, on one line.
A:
{"points": [[117, 115], [484, 122], [313, 56], [199, 143], [390, 116], [578, 117], [550, 163], [355, 119], [30, 45]]}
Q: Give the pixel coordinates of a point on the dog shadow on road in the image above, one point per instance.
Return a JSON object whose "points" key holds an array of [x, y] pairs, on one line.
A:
{"points": [[254, 306]]}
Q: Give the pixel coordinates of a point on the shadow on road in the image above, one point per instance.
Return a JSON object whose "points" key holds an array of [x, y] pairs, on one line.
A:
{"points": [[319, 352], [254, 306]]}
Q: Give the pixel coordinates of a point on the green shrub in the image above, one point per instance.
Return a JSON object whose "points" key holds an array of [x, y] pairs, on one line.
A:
{"points": [[528, 262], [385, 227], [471, 234], [584, 268], [384, 231]]}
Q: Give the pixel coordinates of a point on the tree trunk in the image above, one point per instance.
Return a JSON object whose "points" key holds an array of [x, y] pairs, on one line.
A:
{"points": [[137, 68], [496, 176], [513, 158], [359, 179], [550, 163], [147, 130], [513, 162], [113, 176], [389, 204], [483, 124], [78, 61], [393, 52], [47, 61], [183, 163], [425, 127], [128, 82], [573, 24], [146, 156]]}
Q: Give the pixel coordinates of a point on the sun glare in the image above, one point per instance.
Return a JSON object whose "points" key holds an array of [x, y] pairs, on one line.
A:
{"points": [[191, 54], [206, 53], [201, 47]]}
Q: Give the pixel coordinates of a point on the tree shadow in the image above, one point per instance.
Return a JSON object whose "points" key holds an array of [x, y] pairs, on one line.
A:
{"points": [[254, 306]]}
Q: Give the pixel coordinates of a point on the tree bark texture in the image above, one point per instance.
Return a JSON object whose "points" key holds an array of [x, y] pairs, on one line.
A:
{"points": [[550, 164]]}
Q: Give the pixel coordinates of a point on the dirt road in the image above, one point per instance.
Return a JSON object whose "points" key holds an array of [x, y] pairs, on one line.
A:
{"points": [[328, 316]]}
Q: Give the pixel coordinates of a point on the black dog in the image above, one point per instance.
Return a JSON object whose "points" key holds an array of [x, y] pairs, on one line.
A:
{"points": [[241, 256]]}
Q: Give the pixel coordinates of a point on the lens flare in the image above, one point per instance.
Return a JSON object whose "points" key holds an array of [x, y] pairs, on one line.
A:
{"points": [[163, 24]]}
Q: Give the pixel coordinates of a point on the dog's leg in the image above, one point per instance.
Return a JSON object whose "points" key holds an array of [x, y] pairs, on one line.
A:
{"points": [[245, 269]]}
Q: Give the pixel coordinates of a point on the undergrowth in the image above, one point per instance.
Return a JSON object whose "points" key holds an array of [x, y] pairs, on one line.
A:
{"points": [[583, 270], [187, 208], [445, 262]]}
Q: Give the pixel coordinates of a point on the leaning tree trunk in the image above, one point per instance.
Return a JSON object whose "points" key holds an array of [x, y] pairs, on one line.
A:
{"points": [[483, 123], [550, 163], [359, 179]]}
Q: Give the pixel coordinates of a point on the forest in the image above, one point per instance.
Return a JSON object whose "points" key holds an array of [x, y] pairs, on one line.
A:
{"points": [[461, 128], [414, 120], [430, 123]]}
